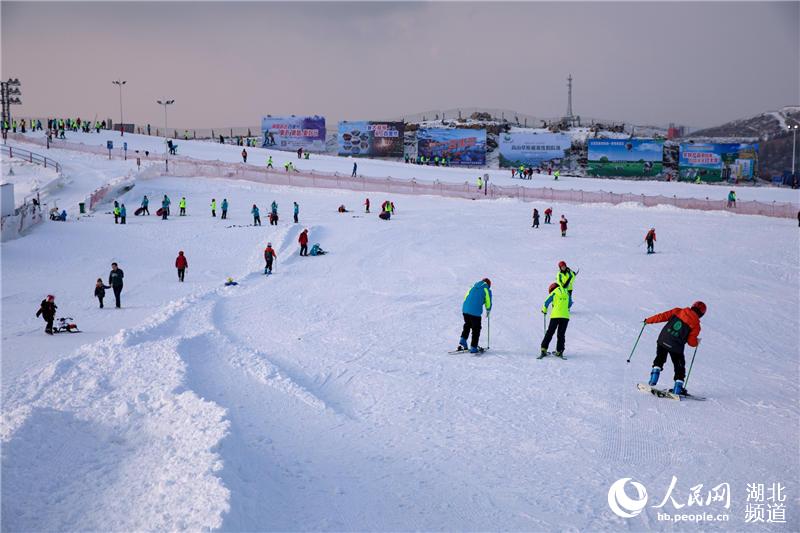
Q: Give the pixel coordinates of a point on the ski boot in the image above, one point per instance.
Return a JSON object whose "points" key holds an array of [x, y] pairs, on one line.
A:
{"points": [[543, 353], [476, 349], [560, 355], [654, 375], [678, 389], [462, 344]]}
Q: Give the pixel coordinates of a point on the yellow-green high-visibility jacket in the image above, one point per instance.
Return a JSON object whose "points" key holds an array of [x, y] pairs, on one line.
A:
{"points": [[560, 300], [566, 279]]}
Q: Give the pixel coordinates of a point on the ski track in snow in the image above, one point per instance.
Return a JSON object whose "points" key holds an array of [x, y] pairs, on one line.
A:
{"points": [[321, 397]]}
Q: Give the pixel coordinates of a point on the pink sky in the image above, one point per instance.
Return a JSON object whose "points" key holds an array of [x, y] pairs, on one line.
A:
{"points": [[227, 64]]}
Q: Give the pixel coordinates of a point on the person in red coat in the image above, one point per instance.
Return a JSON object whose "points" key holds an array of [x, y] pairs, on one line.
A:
{"points": [[650, 239], [181, 264], [547, 214], [682, 327], [563, 223], [269, 256], [303, 240]]}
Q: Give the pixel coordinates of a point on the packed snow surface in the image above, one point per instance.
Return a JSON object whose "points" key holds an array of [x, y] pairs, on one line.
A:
{"points": [[322, 397], [208, 150]]}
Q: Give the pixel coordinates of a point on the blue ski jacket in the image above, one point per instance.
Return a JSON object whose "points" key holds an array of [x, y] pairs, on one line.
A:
{"points": [[479, 295]]}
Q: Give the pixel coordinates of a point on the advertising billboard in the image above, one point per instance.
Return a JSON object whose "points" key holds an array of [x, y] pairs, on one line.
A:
{"points": [[531, 149], [291, 133], [373, 139], [626, 157], [718, 162], [461, 147]]}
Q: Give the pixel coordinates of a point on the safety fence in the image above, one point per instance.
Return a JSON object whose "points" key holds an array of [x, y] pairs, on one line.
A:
{"points": [[187, 167], [191, 168], [31, 157]]}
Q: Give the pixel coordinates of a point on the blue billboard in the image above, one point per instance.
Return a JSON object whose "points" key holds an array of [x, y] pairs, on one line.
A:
{"points": [[460, 147], [529, 149], [291, 133], [717, 161]]}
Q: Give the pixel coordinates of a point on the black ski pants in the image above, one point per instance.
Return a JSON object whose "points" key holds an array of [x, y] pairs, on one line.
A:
{"points": [[117, 292], [181, 273], [560, 325], [678, 361], [472, 323]]}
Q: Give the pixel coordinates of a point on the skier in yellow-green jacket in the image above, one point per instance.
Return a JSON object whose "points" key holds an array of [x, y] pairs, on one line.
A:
{"points": [[559, 319]]}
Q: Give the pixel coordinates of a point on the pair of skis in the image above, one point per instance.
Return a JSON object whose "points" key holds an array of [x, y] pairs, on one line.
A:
{"points": [[667, 394], [554, 354], [461, 349]]}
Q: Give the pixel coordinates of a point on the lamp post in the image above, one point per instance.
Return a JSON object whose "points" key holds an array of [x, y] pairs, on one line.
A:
{"points": [[120, 83], [793, 129], [165, 103]]}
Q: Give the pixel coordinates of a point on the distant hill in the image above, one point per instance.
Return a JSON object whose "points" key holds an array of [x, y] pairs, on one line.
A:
{"points": [[768, 129]]}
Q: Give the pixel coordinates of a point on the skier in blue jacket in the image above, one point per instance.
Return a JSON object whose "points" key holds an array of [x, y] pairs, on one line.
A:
{"points": [[477, 297]]}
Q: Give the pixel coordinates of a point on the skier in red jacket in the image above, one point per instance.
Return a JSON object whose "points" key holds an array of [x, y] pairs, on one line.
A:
{"points": [[269, 255], [650, 239], [682, 327], [303, 240], [181, 264], [563, 223], [547, 214]]}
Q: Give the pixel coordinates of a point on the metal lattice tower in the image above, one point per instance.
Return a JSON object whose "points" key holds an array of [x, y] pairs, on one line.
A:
{"points": [[569, 96]]}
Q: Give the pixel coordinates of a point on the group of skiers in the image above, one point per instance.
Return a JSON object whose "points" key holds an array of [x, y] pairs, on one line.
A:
{"points": [[526, 173], [548, 213], [682, 325], [53, 125], [439, 161]]}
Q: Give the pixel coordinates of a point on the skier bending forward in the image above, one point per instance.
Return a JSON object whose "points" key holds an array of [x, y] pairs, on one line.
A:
{"points": [[478, 296], [682, 327]]}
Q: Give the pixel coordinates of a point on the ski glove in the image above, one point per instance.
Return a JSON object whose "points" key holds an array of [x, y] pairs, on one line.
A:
{"points": [[544, 310]]}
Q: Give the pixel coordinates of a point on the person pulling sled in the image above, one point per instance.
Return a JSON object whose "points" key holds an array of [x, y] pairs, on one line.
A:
{"points": [[47, 310]]}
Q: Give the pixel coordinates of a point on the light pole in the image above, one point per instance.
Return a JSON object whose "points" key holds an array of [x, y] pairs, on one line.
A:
{"points": [[120, 83], [794, 144], [165, 103], [10, 93]]}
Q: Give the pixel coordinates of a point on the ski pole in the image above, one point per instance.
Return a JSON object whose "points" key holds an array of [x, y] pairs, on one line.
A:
{"points": [[544, 323], [690, 367], [637, 342], [488, 330]]}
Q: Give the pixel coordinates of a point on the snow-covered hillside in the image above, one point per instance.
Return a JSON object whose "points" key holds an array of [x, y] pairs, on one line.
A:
{"points": [[323, 398]]}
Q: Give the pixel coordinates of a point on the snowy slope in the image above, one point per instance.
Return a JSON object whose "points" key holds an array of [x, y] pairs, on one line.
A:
{"points": [[28, 178], [206, 150], [321, 398]]}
